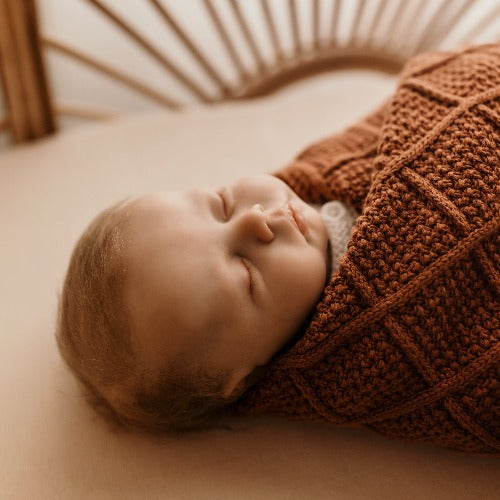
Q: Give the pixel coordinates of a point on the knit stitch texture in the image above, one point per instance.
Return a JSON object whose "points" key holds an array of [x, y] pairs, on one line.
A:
{"points": [[405, 338]]}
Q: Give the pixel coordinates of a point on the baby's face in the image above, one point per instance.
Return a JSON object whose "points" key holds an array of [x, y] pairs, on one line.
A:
{"points": [[228, 273]]}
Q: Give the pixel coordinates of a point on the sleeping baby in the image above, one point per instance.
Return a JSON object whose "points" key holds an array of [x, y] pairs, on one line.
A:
{"points": [[355, 286], [208, 281]]}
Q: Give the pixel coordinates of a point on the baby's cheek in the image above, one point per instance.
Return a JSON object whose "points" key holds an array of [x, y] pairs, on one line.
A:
{"points": [[299, 276], [314, 276]]}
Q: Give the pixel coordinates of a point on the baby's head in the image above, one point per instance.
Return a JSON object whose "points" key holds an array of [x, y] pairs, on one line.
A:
{"points": [[175, 301]]}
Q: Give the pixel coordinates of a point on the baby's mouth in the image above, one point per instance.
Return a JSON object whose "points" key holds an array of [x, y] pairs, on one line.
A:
{"points": [[298, 217]]}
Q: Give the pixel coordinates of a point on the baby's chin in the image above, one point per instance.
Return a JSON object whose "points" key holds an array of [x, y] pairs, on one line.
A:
{"points": [[319, 236], [319, 232]]}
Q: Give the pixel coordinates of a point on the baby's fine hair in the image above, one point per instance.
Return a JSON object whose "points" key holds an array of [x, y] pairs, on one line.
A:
{"points": [[93, 335]]}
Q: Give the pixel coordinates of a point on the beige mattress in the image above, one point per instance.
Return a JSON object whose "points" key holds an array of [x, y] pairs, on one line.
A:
{"points": [[52, 445]]}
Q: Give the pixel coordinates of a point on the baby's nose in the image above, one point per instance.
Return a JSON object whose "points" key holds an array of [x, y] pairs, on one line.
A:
{"points": [[253, 223]]}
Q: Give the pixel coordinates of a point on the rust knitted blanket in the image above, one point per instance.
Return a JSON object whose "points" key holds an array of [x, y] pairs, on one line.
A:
{"points": [[405, 338]]}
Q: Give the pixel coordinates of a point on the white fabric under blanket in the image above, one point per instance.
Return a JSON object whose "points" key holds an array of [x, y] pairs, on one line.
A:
{"points": [[52, 445]]}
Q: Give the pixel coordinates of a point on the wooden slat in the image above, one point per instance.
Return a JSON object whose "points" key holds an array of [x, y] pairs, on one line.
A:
{"points": [[25, 83], [268, 16], [12, 78], [247, 34], [397, 15], [7, 71], [488, 18], [14, 91], [369, 34], [352, 37], [315, 23], [85, 111], [228, 44], [292, 7], [19, 18], [445, 28], [335, 22], [328, 59], [426, 36], [117, 75], [404, 26], [192, 48], [189, 83]]}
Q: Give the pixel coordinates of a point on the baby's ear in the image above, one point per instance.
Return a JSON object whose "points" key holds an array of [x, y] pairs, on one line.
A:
{"points": [[237, 383], [241, 380]]}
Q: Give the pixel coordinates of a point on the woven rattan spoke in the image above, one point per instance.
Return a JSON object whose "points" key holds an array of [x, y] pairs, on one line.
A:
{"points": [[397, 15], [247, 35], [315, 23], [268, 16], [117, 75], [400, 33], [191, 47], [27, 95], [85, 111], [482, 25], [221, 30], [426, 34], [440, 34], [148, 47], [352, 35], [292, 7], [334, 23], [369, 38]]}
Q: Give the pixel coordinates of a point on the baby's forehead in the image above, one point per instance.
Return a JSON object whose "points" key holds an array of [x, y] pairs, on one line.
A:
{"points": [[153, 216], [176, 285], [150, 203]]}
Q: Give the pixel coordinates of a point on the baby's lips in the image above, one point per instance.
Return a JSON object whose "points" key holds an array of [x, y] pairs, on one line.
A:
{"points": [[299, 217]]}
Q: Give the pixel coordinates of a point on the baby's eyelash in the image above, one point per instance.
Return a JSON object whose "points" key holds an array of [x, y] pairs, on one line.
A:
{"points": [[227, 202], [250, 275], [224, 208]]}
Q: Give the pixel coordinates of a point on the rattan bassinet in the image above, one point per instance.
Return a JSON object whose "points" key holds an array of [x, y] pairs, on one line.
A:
{"points": [[212, 51]]}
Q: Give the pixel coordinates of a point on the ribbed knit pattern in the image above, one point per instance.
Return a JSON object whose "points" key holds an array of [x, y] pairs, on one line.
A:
{"points": [[405, 338]]}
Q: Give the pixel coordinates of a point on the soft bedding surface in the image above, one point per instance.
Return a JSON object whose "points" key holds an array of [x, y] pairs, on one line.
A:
{"points": [[52, 444]]}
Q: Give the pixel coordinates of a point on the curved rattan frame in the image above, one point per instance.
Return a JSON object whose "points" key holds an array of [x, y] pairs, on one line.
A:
{"points": [[33, 111]]}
